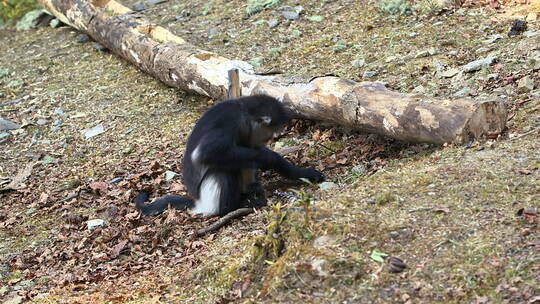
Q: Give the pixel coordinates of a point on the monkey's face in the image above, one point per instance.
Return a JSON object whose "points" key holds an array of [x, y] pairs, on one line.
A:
{"points": [[263, 131]]}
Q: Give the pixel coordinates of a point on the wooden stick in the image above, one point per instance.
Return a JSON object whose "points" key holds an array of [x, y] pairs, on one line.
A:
{"points": [[224, 220], [235, 90]]}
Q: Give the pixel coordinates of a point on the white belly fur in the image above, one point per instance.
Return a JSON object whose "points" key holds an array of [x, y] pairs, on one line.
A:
{"points": [[208, 202]]}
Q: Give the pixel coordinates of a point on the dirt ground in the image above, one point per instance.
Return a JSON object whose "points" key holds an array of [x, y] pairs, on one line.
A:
{"points": [[462, 219]]}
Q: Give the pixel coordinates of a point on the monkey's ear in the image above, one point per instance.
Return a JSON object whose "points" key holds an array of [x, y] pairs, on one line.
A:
{"points": [[264, 120]]}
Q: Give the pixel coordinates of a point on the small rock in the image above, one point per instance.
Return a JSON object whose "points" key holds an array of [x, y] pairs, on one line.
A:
{"points": [[390, 59], [492, 76], [42, 122], [89, 133], [318, 265], [482, 50], [422, 54], [273, 23], [291, 13], [446, 3], [47, 159], [296, 33], [115, 180], [31, 211], [58, 112], [532, 16], [316, 18], [31, 19], [55, 23], [323, 241], [427, 53], [93, 224], [99, 47], [139, 6], [439, 66], [413, 34], [420, 89], [494, 38], [3, 291], [327, 186], [155, 2], [534, 64], [170, 175], [530, 34], [518, 27], [438, 23], [394, 234], [256, 62], [450, 73], [213, 32], [15, 300], [526, 84], [358, 63], [82, 38], [15, 83], [24, 285], [4, 135], [478, 64], [6, 125], [368, 74], [3, 73], [359, 170], [462, 92]]}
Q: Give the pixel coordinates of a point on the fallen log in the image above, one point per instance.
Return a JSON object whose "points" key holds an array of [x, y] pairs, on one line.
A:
{"points": [[365, 106]]}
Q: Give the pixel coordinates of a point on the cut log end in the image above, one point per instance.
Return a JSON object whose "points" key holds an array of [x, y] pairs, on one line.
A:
{"points": [[488, 118]]}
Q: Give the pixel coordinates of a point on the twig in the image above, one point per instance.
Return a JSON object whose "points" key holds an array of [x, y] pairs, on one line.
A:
{"points": [[71, 196], [526, 133], [421, 209], [224, 220], [12, 102], [235, 91]]}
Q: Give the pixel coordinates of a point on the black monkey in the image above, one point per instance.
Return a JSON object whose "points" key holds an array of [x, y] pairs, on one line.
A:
{"points": [[224, 151]]}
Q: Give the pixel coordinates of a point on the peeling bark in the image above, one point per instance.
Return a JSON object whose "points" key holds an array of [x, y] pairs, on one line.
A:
{"points": [[365, 106]]}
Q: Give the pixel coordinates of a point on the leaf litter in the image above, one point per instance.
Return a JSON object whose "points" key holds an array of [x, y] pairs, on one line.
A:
{"points": [[454, 254]]}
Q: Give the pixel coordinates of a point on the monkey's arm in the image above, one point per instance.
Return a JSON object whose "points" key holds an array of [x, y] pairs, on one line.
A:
{"points": [[221, 152], [287, 169]]}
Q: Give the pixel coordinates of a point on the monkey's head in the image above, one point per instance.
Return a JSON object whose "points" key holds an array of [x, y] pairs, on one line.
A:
{"points": [[267, 118]]}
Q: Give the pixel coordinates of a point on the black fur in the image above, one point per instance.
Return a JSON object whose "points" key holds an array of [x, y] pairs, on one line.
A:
{"points": [[231, 137], [160, 204]]}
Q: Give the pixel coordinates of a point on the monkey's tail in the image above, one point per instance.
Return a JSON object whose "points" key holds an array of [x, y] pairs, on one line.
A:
{"points": [[159, 205]]}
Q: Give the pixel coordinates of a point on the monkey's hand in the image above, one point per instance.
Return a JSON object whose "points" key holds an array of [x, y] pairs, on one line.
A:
{"points": [[311, 174]]}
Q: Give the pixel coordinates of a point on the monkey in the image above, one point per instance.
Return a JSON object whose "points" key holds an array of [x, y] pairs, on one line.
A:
{"points": [[224, 152]]}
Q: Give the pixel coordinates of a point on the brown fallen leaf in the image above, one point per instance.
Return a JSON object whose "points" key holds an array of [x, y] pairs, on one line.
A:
{"points": [[524, 171], [115, 252], [444, 210], [17, 182], [99, 187], [177, 187]]}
